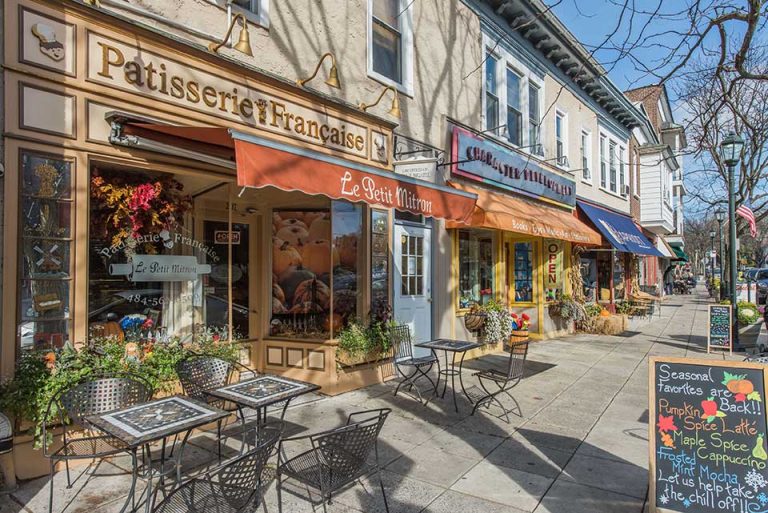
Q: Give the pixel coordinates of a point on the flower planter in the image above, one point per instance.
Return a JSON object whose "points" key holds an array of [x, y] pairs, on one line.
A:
{"points": [[474, 321], [518, 336], [344, 359]]}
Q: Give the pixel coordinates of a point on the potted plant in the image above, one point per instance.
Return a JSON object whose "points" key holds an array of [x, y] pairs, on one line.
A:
{"points": [[520, 326], [498, 322], [360, 343], [474, 319]]}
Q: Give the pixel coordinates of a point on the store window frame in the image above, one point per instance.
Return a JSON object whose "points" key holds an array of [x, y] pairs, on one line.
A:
{"points": [[561, 139], [509, 250], [585, 148], [406, 49], [603, 162], [496, 265]]}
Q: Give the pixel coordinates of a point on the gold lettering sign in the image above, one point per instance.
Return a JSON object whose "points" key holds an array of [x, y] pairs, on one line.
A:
{"points": [[142, 72]]}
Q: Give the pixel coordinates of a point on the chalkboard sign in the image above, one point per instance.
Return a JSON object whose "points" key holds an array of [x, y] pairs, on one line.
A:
{"points": [[707, 436], [720, 333]]}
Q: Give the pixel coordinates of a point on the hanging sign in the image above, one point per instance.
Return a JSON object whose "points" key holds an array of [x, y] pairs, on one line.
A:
{"points": [[553, 269], [142, 268], [720, 332], [707, 435], [421, 169]]}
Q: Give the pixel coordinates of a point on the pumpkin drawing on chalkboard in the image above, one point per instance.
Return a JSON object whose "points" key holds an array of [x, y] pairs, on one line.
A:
{"points": [[741, 388]]}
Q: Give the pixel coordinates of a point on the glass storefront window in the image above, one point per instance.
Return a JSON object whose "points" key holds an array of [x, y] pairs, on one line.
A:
{"points": [[380, 308], [476, 260], [44, 259], [302, 262], [146, 267], [619, 284], [347, 220], [523, 272]]}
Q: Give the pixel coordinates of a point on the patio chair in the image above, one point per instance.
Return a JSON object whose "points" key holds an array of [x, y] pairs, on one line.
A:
{"points": [[337, 458], [236, 486], [409, 367], [92, 396], [495, 382], [201, 373]]}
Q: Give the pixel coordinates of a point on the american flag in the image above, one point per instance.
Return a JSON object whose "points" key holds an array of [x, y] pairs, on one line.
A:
{"points": [[745, 211]]}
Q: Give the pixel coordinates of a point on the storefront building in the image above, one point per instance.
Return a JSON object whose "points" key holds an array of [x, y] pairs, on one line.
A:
{"points": [[161, 192]]}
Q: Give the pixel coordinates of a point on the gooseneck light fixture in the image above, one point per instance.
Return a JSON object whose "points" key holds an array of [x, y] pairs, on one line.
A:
{"points": [[394, 110], [333, 74], [243, 44]]}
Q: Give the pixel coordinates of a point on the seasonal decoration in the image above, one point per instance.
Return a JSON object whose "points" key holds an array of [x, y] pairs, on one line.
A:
{"points": [[313, 290], [742, 389], [131, 204], [320, 229], [284, 256], [748, 313], [318, 256], [294, 235]]}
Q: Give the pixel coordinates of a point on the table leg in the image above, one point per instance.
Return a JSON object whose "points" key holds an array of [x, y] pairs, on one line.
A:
{"points": [[181, 456], [148, 471], [445, 385], [439, 372], [134, 477], [242, 420], [453, 380], [461, 380]]}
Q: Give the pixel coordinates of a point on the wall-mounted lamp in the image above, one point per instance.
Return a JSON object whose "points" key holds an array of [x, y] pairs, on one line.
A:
{"points": [[333, 74], [394, 110], [243, 44]]}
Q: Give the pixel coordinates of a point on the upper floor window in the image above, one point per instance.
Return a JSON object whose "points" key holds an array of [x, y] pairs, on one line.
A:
{"points": [[257, 11], [390, 42], [491, 94], [612, 165], [560, 140], [514, 112], [534, 121], [586, 172], [622, 170], [603, 163]]}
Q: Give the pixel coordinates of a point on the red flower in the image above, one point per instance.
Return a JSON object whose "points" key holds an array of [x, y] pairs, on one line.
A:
{"points": [[216, 337], [526, 317]]}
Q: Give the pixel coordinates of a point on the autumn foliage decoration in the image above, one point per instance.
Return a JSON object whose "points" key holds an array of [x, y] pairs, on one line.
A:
{"points": [[133, 204]]}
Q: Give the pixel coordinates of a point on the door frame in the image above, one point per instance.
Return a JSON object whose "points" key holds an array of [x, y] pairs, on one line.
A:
{"points": [[427, 225]]}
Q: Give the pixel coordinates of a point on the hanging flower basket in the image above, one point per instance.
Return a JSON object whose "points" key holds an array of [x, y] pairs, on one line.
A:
{"points": [[474, 321], [518, 336]]}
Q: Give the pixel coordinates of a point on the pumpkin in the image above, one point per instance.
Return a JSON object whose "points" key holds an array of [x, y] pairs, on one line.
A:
{"points": [[740, 386], [333, 321], [276, 219], [306, 308], [316, 256], [309, 217], [314, 291], [277, 292], [605, 313], [283, 257], [107, 329], [291, 278], [278, 307], [294, 235], [292, 222], [320, 229], [347, 247]]}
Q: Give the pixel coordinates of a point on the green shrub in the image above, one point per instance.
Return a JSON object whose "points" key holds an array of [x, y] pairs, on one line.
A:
{"points": [[357, 339], [748, 313]]}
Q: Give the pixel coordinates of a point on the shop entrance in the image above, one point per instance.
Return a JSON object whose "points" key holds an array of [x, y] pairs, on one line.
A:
{"points": [[413, 290]]}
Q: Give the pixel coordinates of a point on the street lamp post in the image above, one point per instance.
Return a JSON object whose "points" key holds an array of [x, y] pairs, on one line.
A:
{"points": [[730, 150], [712, 260]]}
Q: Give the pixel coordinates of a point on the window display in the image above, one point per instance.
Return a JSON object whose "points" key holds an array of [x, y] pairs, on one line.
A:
{"points": [[44, 259], [476, 267], [619, 287], [379, 264], [302, 261], [145, 265], [523, 272]]}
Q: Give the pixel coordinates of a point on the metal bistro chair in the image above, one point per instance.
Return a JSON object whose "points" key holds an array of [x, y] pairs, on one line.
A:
{"points": [[91, 396], [337, 458], [200, 373], [236, 486], [503, 381], [408, 366]]}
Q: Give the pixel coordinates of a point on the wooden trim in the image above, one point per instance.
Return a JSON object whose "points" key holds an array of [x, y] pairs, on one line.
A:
{"points": [[22, 106]]}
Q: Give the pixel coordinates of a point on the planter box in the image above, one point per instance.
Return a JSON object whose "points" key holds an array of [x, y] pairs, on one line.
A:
{"points": [[345, 360]]}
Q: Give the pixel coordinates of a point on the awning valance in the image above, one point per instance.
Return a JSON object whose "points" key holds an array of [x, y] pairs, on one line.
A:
{"points": [[680, 254], [262, 162], [515, 214], [620, 230]]}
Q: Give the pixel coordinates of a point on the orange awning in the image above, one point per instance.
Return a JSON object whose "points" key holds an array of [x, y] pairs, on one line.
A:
{"points": [[263, 162], [516, 214]]}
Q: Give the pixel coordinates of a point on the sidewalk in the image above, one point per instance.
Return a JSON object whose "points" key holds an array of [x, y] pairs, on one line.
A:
{"points": [[580, 447]]}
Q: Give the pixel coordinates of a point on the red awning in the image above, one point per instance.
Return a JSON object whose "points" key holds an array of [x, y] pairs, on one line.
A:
{"points": [[264, 162]]}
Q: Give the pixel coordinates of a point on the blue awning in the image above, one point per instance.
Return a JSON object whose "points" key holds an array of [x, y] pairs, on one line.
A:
{"points": [[620, 230]]}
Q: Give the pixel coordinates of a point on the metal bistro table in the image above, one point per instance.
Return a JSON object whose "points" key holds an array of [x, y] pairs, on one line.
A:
{"points": [[260, 392], [143, 424], [450, 346]]}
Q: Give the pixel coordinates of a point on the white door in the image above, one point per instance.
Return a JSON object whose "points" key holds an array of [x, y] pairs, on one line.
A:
{"points": [[413, 287]]}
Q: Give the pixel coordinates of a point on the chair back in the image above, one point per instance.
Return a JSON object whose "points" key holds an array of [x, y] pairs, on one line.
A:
{"points": [[102, 395], [345, 450], [240, 480], [200, 373], [400, 338], [518, 352]]}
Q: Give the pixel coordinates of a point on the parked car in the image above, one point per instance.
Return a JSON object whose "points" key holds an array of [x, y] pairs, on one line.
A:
{"points": [[761, 277]]}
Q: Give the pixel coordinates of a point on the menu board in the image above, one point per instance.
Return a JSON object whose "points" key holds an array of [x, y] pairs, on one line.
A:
{"points": [[707, 436], [719, 334]]}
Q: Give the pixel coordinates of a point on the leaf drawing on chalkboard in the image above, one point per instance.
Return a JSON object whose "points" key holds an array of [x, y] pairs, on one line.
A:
{"points": [[754, 396], [666, 423], [667, 440]]}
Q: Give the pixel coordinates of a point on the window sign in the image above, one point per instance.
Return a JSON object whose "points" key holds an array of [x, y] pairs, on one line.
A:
{"points": [[553, 269]]}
